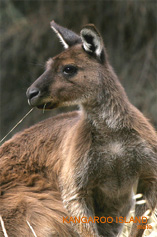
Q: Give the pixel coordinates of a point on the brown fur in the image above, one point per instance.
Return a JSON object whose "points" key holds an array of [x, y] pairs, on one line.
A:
{"points": [[29, 187], [81, 163]]}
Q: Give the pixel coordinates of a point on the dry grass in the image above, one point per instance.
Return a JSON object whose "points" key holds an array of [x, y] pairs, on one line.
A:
{"points": [[3, 227], [127, 227], [149, 232], [151, 220], [34, 234]]}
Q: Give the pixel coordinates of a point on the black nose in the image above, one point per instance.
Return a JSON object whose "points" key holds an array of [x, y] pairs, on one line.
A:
{"points": [[32, 93]]}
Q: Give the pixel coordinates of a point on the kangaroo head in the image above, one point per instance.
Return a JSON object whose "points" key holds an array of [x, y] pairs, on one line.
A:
{"points": [[72, 76]]}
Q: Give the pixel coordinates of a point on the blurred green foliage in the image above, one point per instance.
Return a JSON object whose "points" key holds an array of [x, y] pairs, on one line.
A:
{"points": [[129, 32]]}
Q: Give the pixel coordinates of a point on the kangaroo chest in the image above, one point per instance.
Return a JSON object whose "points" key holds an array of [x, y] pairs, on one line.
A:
{"points": [[113, 165]]}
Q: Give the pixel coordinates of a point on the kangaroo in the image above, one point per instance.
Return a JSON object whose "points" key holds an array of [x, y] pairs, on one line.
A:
{"points": [[81, 164]]}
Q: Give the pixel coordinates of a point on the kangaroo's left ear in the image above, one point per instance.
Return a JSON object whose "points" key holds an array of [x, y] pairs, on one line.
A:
{"points": [[92, 41], [67, 37]]}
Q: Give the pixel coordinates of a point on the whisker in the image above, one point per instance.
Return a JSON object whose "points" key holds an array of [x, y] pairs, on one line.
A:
{"points": [[44, 107]]}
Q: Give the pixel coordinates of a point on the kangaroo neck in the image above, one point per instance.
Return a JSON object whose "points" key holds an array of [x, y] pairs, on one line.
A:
{"points": [[108, 108]]}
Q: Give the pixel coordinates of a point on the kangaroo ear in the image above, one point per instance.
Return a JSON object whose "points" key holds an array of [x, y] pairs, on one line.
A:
{"points": [[92, 41], [67, 37]]}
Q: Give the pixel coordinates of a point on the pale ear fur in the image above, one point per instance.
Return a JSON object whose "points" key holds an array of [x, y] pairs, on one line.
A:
{"points": [[92, 41], [67, 37], [60, 37]]}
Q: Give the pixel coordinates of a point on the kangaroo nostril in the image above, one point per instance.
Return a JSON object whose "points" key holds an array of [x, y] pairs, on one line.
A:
{"points": [[32, 93]]}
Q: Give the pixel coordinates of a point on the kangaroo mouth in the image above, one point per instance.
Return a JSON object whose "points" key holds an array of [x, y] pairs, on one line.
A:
{"points": [[47, 106]]}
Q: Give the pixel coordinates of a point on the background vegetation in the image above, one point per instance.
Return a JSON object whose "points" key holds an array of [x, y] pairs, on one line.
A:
{"points": [[129, 32]]}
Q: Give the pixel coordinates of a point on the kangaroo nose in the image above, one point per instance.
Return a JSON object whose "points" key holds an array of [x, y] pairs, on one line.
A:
{"points": [[32, 95]]}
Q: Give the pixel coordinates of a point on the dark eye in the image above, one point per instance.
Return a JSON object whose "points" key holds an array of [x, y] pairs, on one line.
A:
{"points": [[69, 70]]}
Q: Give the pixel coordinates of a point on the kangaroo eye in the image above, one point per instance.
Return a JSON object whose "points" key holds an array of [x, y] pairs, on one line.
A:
{"points": [[69, 70]]}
